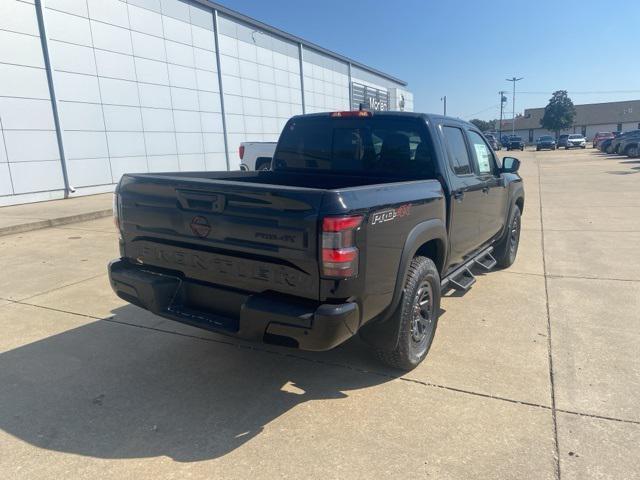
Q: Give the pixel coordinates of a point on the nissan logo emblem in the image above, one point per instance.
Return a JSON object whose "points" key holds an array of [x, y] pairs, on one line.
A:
{"points": [[200, 226]]}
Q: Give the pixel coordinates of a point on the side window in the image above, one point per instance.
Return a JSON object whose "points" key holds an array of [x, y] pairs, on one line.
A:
{"points": [[458, 150], [481, 152]]}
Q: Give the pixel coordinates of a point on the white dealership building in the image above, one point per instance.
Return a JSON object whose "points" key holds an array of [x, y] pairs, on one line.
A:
{"points": [[91, 89]]}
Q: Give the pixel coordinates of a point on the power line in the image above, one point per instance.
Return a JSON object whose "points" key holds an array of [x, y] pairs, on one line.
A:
{"points": [[496, 106], [594, 92]]}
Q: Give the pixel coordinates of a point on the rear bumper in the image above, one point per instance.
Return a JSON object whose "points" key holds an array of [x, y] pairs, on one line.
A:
{"points": [[269, 318]]}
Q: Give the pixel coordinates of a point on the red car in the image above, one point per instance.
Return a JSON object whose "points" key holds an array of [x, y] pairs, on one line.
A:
{"points": [[600, 136]]}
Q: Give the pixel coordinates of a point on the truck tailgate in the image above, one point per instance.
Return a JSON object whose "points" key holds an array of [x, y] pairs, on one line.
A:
{"points": [[247, 236]]}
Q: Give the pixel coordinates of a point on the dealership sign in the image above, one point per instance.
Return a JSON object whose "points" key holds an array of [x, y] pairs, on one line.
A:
{"points": [[370, 97]]}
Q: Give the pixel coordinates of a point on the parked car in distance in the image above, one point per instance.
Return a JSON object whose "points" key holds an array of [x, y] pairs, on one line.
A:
{"points": [[562, 141], [632, 149], [605, 145], [629, 144], [256, 155], [515, 143], [492, 141], [600, 136], [545, 142], [360, 224], [576, 140], [615, 143]]}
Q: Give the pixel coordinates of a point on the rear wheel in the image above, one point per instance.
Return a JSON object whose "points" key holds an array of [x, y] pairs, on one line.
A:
{"points": [[417, 316], [507, 250], [263, 165]]}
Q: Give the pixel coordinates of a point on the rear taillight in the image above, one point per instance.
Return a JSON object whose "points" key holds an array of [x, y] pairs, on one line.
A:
{"points": [[116, 213], [241, 151], [339, 254]]}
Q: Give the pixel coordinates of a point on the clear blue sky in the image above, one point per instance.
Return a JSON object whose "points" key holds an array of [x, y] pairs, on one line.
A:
{"points": [[465, 49]]}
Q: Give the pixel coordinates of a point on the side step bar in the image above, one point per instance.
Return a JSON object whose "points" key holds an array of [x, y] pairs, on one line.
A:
{"points": [[462, 278], [487, 262]]}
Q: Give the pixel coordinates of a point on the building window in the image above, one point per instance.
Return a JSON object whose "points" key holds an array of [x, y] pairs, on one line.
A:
{"points": [[619, 127], [530, 135], [584, 130]]}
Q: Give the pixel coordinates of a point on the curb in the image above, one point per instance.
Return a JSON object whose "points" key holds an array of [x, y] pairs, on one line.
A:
{"points": [[54, 222]]}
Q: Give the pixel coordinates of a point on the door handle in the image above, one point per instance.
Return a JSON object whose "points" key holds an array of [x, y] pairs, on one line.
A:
{"points": [[459, 195]]}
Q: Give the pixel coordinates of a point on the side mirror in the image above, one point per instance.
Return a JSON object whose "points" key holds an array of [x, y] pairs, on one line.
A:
{"points": [[510, 165]]}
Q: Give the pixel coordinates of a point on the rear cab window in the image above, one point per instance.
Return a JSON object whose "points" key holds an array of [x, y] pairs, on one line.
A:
{"points": [[381, 145]]}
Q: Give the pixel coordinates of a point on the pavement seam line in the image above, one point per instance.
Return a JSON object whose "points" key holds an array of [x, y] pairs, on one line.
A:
{"points": [[576, 277], [599, 417], [58, 288], [257, 348], [549, 352]]}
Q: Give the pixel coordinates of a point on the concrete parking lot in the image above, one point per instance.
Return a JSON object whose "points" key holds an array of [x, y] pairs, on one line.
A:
{"points": [[534, 373]]}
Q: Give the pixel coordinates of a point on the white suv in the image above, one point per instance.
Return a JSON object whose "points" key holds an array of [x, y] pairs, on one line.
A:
{"points": [[575, 141]]}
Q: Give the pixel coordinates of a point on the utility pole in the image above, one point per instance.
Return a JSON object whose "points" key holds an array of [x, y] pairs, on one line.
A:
{"points": [[502, 100], [513, 102], [444, 99]]}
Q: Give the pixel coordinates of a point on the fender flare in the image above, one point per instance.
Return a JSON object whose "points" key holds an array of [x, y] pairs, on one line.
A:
{"points": [[382, 331]]}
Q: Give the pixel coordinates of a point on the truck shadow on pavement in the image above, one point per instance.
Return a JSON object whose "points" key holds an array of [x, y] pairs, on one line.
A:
{"points": [[116, 391], [627, 172]]}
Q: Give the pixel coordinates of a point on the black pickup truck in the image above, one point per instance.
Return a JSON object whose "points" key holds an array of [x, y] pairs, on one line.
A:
{"points": [[362, 221]]}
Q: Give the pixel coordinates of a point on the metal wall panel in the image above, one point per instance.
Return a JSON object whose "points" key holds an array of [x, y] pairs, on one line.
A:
{"points": [[144, 67], [261, 91], [137, 88], [29, 154]]}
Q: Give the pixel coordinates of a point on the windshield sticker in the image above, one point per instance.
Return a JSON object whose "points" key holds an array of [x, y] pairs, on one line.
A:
{"points": [[391, 214]]}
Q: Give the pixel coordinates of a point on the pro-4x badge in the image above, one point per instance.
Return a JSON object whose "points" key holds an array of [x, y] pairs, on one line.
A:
{"points": [[391, 214]]}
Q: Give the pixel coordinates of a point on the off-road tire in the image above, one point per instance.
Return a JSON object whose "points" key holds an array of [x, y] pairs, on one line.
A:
{"points": [[409, 351], [507, 250]]}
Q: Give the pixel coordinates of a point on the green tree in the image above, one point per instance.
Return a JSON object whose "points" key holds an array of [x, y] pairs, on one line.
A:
{"points": [[483, 125], [559, 112]]}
